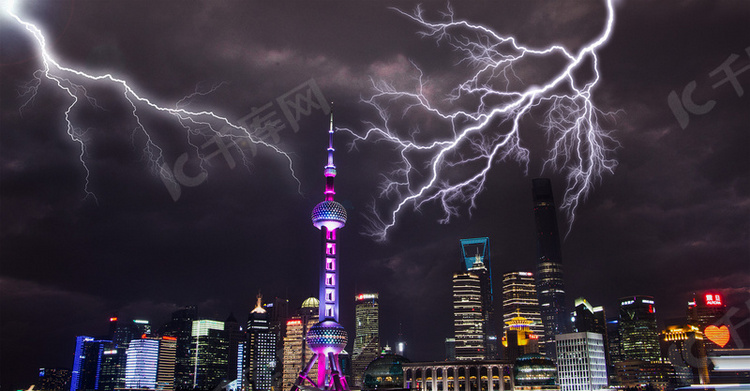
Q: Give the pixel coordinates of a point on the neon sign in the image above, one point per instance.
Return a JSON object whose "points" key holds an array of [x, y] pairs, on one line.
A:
{"points": [[713, 299]]}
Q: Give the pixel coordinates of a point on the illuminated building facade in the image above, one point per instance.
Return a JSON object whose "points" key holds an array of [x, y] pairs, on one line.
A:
{"points": [[581, 365], [150, 363], [475, 258], [143, 360], [53, 379], [87, 363], [180, 327], [549, 276], [327, 338], [296, 351], [705, 309], [468, 317], [208, 354], [519, 340], [684, 347], [520, 300], [261, 349], [639, 333], [475, 375], [366, 334]]}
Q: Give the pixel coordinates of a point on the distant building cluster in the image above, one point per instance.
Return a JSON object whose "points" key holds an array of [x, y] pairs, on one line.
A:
{"points": [[538, 341]]}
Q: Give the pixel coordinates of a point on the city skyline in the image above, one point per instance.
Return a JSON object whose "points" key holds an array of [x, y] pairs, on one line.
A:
{"points": [[672, 219]]}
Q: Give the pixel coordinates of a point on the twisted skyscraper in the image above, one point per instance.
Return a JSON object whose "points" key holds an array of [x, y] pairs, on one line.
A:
{"points": [[327, 338]]}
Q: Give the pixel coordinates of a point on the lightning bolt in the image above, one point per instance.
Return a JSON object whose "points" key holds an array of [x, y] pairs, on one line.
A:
{"points": [[451, 168], [72, 82]]}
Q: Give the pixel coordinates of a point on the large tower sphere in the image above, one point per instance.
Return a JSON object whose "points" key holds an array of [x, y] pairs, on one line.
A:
{"points": [[327, 336], [329, 214]]}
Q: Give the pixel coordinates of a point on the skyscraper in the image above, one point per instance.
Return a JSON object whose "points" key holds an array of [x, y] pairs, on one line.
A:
{"points": [[468, 317], [296, 351], [367, 334], [261, 348], [580, 362], [327, 338], [150, 363], [639, 333], [180, 327], [475, 258], [549, 277], [208, 354], [520, 299], [143, 360], [87, 363]]}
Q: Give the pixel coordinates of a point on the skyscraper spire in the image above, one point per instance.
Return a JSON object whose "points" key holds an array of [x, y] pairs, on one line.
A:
{"points": [[327, 338]]}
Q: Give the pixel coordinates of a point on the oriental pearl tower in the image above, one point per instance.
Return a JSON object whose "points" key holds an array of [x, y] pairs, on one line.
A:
{"points": [[327, 338]]}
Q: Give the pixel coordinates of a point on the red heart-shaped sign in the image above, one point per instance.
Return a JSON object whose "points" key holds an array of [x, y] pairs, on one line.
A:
{"points": [[717, 335]]}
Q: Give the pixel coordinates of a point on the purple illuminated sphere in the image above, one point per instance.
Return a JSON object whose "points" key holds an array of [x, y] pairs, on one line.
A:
{"points": [[327, 335], [329, 214]]}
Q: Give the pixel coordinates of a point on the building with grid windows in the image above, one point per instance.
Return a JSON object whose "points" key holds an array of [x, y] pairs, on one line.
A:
{"points": [[581, 365]]}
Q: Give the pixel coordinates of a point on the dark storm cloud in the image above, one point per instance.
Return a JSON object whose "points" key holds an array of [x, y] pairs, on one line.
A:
{"points": [[671, 220]]}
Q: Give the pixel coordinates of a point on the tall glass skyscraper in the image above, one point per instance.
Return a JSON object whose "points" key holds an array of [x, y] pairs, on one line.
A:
{"points": [[639, 333], [468, 318], [549, 276], [367, 334], [208, 353], [261, 349], [520, 299], [476, 259]]}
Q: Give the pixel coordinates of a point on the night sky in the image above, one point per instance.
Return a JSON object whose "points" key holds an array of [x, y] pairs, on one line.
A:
{"points": [[672, 219]]}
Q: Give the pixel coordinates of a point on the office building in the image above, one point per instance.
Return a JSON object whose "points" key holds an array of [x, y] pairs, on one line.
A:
{"points": [[87, 363], [549, 275], [180, 326], [296, 351], [520, 300], [208, 354], [684, 347], [475, 258], [366, 334], [639, 333], [468, 317], [143, 360], [580, 361], [261, 349]]}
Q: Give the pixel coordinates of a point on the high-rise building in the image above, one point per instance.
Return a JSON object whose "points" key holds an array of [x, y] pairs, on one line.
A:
{"points": [[586, 318], [208, 354], [296, 351], [180, 327], [684, 347], [367, 334], [327, 338], [53, 379], [520, 299], [475, 257], [580, 361], [261, 349], [87, 363], [468, 317], [549, 276], [143, 360], [639, 333], [705, 309], [150, 363], [235, 337]]}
